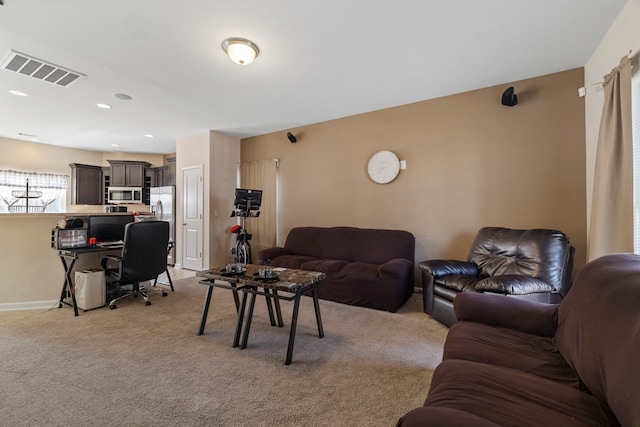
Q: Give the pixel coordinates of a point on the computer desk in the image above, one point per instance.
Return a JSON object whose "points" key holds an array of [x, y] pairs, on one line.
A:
{"points": [[69, 257]]}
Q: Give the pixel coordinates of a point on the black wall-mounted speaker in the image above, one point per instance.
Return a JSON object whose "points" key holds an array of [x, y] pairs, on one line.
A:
{"points": [[509, 98], [291, 137]]}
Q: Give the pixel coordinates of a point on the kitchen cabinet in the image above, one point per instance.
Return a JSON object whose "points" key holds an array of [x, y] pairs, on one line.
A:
{"points": [[125, 173], [86, 184], [161, 176], [172, 171], [165, 175]]}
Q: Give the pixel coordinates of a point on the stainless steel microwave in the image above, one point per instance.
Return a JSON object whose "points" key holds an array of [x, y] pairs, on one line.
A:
{"points": [[124, 195]]}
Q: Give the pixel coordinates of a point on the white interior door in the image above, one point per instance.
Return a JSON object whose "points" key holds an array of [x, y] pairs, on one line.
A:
{"points": [[193, 225]]}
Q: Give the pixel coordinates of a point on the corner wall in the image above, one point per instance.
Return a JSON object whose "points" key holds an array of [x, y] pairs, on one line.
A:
{"points": [[219, 155], [471, 162]]}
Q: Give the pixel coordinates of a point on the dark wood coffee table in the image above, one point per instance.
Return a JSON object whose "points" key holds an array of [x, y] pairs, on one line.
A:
{"points": [[290, 281]]}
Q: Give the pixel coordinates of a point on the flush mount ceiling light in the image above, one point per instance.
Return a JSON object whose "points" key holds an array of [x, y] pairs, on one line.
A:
{"points": [[241, 51]]}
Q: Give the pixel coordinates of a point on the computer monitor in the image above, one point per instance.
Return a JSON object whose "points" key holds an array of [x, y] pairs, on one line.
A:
{"points": [[108, 228], [244, 196]]}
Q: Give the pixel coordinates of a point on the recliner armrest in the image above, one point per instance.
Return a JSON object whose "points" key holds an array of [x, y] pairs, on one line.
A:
{"points": [[513, 284], [397, 267], [272, 253], [522, 315], [443, 267]]}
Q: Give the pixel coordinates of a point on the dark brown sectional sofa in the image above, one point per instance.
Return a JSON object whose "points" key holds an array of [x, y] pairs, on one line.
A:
{"points": [[365, 267], [511, 362]]}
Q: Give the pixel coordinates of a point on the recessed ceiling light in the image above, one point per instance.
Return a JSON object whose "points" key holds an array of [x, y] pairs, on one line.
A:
{"points": [[18, 93], [148, 135], [105, 106], [123, 96], [115, 145]]}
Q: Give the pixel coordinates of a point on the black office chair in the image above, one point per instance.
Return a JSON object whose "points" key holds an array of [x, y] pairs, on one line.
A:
{"points": [[143, 258]]}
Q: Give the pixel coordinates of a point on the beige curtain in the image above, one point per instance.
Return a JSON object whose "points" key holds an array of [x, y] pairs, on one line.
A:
{"points": [[261, 175], [611, 225]]}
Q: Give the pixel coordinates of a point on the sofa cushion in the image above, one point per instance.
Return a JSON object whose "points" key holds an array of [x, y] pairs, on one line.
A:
{"points": [[291, 261], [509, 397], [508, 348], [328, 266], [599, 332], [359, 271], [457, 282], [513, 284]]}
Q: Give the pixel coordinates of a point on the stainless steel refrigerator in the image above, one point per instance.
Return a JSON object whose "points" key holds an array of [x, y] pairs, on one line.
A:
{"points": [[163, 205]]}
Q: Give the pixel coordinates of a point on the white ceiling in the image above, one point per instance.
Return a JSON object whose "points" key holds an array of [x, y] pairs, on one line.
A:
{"points": [[319, 60]]}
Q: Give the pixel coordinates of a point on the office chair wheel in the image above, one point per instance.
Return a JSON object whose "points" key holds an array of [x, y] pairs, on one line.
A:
{"points": [[113, 306], [147, 303], [164, 294]]}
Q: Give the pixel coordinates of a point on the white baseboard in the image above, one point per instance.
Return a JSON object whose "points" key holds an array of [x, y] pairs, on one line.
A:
{"points": [[28, 305]]}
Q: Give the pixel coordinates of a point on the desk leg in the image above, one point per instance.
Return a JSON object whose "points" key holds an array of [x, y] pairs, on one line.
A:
{"points": [[243, 305], [247, 327], [68, 284], [316, 305], [205, 309], [64, 284], [292, 333]]}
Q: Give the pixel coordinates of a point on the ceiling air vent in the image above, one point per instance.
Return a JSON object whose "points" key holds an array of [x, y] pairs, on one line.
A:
{"points": [[41, 70]]}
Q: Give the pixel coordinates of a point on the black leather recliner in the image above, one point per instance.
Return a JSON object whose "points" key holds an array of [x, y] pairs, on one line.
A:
{"points": [[531, 264]]}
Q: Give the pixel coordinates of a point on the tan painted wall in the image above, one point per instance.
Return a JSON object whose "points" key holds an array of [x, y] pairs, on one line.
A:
{"points": [[471, 162], [225, 157]]}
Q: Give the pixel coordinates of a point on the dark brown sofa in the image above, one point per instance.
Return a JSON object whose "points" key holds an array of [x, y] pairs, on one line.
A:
{"points": [[510, 362], [364, 267]]}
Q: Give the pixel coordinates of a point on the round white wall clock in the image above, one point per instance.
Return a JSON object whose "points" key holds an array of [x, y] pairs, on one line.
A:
{"points": [[383, 167]]}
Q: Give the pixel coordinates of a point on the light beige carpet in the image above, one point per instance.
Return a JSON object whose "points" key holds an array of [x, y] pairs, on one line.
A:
{"points": [[146, 366]]}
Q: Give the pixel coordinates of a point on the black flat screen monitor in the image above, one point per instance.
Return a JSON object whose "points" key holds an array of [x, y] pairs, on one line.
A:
{"points": [[108, 228], [243, 196]]}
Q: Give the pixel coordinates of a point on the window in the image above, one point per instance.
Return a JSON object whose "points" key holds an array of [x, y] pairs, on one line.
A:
{"points": [[635, 114], [32, 192]]}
